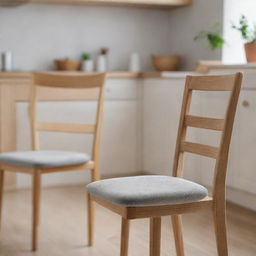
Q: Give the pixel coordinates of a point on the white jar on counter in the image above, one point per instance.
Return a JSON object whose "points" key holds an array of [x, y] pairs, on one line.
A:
{"points": [[134, 64], [6, 61], [102, 63], [88, 65]]}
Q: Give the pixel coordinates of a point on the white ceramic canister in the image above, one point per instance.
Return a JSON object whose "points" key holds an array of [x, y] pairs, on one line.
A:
{"points": [[6, 61], [134, 65], [88, 66], [102, 63]]}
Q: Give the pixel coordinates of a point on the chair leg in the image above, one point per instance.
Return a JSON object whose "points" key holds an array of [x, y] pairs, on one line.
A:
{"points": [[95, 173], [36, 208], [178, 236], [155, 236], [219, 215], [90, 220], [1, 192], [90, 209], [124, 237]]}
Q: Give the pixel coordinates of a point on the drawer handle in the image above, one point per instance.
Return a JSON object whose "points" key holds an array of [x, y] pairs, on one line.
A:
{"points": [[245, 103]]}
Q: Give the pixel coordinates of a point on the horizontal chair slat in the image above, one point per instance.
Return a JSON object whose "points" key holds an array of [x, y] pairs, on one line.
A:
{"points": [[205, 122], [212, 83], [200, 149], [69, 80], [66, 127]]}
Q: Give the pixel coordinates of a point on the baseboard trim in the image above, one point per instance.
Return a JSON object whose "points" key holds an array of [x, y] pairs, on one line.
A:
{"points": [[241, 198]]}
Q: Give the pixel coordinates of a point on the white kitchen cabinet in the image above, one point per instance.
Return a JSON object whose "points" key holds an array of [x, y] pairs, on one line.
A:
{"points": [[249, 75], [214, 104], [245, 178], [241, 177], [161, 110], [162, 99], [161, 105]]}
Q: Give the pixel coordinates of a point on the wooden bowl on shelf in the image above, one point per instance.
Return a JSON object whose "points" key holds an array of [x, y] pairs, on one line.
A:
{"points": [[166, 63], [67, 64]]}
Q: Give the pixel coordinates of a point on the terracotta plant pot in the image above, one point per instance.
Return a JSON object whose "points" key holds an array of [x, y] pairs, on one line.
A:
{"points": [[250, 50], [166, 63], [67, 65]]}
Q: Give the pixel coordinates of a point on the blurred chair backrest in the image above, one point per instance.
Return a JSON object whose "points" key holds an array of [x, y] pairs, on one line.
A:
{"points": [[68, 81], [230, 83]]}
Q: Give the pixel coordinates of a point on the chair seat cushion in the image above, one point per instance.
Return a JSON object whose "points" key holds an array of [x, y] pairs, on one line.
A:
{"points": [[147, 190], [44, 158]]}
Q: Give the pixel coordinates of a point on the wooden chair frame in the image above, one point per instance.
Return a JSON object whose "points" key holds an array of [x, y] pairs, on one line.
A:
{"points": [[216, 203], [90, 81]]}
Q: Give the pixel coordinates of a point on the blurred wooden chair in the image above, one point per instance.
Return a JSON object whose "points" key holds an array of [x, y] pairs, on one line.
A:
{"points": [[38, 162], [156, 196]]}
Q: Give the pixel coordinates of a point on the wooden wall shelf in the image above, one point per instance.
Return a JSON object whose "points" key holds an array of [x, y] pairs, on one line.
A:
{"points": [[141, 3]]}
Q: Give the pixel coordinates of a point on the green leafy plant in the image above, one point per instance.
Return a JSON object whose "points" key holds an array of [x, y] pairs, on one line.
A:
{"points": [[248, 33], [214, 37], [86, 56]]}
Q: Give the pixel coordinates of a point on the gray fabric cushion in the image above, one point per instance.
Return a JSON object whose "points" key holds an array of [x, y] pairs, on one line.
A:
{"points": [[44, 158], [147, 190]]}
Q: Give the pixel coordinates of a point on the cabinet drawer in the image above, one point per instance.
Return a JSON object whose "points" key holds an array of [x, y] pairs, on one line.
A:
{"points": [[121, 89], [249, 79]]}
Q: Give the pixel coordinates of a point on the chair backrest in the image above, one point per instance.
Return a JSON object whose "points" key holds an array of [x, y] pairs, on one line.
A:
{"points": [[68, 81], [231, 83]]}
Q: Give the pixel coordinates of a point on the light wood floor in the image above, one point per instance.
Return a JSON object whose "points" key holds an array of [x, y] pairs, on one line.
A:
{"points": [[63, 229]]}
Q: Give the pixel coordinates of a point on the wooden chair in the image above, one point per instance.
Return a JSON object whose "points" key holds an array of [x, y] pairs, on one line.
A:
{"points": [[38, 162], [152, 197]]}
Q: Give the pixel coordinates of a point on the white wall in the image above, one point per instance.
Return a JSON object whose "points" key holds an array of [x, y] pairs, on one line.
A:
{"points": [[39, 33], [233, 51], [186, 23]]}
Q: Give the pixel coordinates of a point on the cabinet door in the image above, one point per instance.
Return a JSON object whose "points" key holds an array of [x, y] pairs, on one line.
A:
{"points": [[161, 108], [246, 174], [241, 165], [162, 100], [214, 104]]}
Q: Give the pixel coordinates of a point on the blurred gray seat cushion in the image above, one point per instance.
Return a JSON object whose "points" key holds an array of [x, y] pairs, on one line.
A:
{"points": [[147, 190], [44, 158]]}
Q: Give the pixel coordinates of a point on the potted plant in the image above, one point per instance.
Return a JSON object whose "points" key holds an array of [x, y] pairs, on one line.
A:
{"points": [[214, 37], [248, 33], [87, 62], [214, 41]]}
